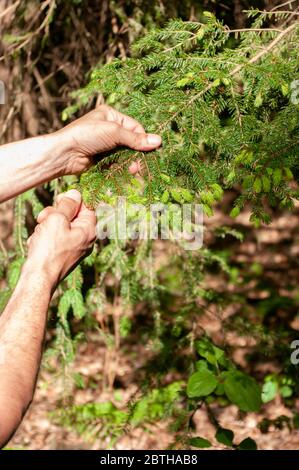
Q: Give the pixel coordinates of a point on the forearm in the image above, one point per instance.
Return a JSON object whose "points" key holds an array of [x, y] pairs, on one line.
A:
{"points": [[28, 163], [22, 329]]}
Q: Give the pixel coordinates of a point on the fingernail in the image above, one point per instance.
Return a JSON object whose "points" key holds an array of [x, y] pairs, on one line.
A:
{"points": [[73, 194], [153, 139]]}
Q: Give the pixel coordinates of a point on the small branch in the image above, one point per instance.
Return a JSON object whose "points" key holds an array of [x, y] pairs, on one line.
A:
{"points": [[30, 35], [14, 6], [270, 46], [7, 120], [289, 13], [289, 2], [181, 43], [256, 30]]}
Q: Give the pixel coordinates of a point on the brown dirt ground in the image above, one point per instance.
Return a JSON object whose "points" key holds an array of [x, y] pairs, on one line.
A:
{"points": [[38, 431]]}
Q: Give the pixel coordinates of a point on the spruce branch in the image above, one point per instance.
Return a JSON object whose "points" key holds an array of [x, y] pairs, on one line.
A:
{"points": [[236, 70], [220, 117]]}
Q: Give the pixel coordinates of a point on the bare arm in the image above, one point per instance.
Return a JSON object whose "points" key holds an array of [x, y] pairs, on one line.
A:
{"points": [[28, 163], [22, 328], [63, 236]]}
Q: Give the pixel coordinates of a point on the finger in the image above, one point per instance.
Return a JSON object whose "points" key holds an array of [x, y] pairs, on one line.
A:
{"points": [[138, 141], [44, 214], [129, 123], [69, 204], [71, 193], [135, 167], [87, 220], [85, 213], [123, 120]]}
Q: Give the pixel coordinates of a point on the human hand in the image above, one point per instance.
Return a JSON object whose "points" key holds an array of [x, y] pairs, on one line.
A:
{"points": [[99, 131], [64, 235]]}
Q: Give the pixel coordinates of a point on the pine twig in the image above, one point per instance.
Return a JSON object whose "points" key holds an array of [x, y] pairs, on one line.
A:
{"points": [[235, 71]]}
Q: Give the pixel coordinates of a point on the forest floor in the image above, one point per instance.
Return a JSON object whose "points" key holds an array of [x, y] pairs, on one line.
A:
{"points": [[39, 429]]}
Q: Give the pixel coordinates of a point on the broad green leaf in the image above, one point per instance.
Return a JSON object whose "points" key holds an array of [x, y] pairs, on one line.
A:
{"points": [[209, 351], [286, 391], [296, 420], [242, 390], [247, 444], [201, 365], [199, 442], [201, 384], [269, 391], [225, 436], [219, 389]]}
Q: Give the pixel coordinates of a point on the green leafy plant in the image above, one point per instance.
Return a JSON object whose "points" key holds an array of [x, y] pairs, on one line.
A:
{"points": [[217, 373]]}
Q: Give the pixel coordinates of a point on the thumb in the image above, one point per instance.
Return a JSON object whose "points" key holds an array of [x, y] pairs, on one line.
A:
{"points": [[138, 141], [69, 203]]}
